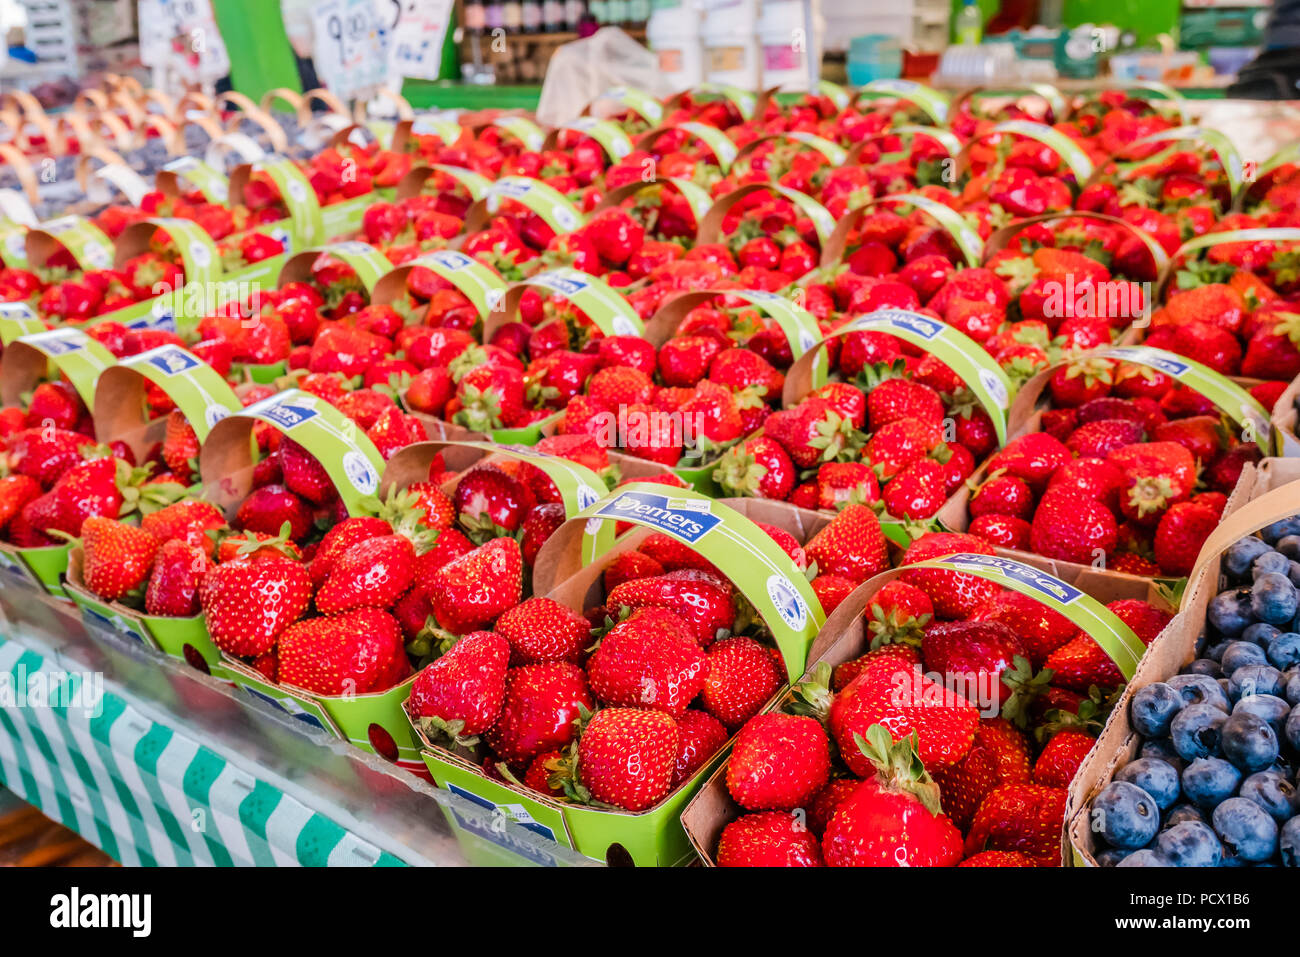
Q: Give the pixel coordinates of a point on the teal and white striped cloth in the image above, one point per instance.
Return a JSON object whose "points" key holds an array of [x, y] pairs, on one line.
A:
{"points": [[146, 793]]}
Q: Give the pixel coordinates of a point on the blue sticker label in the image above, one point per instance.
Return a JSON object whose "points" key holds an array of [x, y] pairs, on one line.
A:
{"points": [[499, 835], [452, 261], [95, 619], [162, 319], [280, 705], [172, 360], [901, 319], [57, 342], [686, 519], [16, 310], [1037, 580], [565, 285], [281, 413], [1165, 363]]}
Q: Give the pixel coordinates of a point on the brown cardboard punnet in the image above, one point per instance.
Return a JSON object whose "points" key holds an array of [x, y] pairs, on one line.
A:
{"points": [[845, 637], [1001, 238], [1285, 420], [1264, 495]]}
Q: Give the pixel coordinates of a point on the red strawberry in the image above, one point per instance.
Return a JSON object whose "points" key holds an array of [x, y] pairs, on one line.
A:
{"points": [[15, 492], [539, 710], [811, 433], [760, 467], [461, 693], [852, 546], [900, 443], [370, 574], [673, 554], [178, 569], [1032, 457], [1005, 531], [704, 605], [248, 604], [954, 594], [180, 448], [973, 656], [999, 755], [1073, 528], [831, 590], [699, 737], [340, 538], [917, 492], [1061, 757], [740, 676], [117, 557], [1040, 629], [472, 591], [768, 839], [629, 566], [997, 859], [541, 629], [1097, 439], [1003, 495], [650, 660], [626, 757], [303, 475], [895, 399], [778, 762], [489, 501], [893, 818], [1020, 817], [268, 508], [1182, 531], [351, 653]]}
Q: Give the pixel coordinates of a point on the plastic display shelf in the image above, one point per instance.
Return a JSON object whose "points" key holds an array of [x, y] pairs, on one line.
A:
{"points": [[157, 764]]}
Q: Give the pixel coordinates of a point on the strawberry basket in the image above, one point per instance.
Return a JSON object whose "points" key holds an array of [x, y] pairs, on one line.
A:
{"points": [[936, 761], [698, 532]]}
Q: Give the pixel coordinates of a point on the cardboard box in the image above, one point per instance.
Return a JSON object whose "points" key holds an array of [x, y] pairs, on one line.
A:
{"points": [[845, 637], [1264, 495], [655, 836], [1285, 421]]}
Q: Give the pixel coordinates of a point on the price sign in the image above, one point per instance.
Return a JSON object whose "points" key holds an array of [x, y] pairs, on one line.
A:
{"points": [[349, 45], [183, 34], [416, 46]]}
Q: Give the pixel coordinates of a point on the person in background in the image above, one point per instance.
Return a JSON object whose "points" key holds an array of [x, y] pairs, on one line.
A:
{"points": [[1274, 74], [296, 15]]}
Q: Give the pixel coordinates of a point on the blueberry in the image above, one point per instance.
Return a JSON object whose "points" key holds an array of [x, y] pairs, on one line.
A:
{"points": [[1153, 708], [1158, 778], [1228, 693], [1248, 741], [1269, 707], [1208, 781], [1124, 815], [1110, 857], [1289, 545], [1203, 666], [1241, 653], [1261, 633], [1256, 679], [1273, 598], [1195, 731], [1200, 689], [1293, 573], [1162, 749], [1182, 812], [1190, 844], [1284, 650], [1289, 843], [1279, 530], [1241, 554], [1270, 563], [1291, 730], [1247, 832], [1215, 652], [1143, 858], [1230, 612], [1273, 792], [1292, 690]]}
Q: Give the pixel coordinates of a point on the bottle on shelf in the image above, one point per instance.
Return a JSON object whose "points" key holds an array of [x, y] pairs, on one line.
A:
{"points": [[494, 17], [970, 24], [513, 16], [532, 16], [475, 18], [553, 16]]}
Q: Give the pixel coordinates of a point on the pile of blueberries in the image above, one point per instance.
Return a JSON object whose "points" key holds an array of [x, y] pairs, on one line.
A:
{"points": [[1214, 784]]}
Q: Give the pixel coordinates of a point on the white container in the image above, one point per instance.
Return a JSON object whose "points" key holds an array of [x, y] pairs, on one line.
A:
{"points": [[788, 42], [730, 41], [673, 33]]}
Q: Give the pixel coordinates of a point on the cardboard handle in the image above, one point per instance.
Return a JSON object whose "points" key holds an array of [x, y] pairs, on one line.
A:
{"points": [[638, 101], [933, 103], [1282, 502], [282, 94], [401, 105], [1044, 91], [16, 161], [479, 284], [541, 198], [1001, 238], [945, 138], [1280, 234], [967, 359], [603, 305], [724, 151], [609, 135], [835, 154], [710, 230], [368, 262], [967, 240], [26, 361], [1069, 152], [756, 565], [412, 184], [80, 237]]}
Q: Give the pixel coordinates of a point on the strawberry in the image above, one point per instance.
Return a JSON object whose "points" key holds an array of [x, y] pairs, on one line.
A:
{"points": [[768, 839], [178, 569], [1096, 439], [370, 574], [303, 475], [811, 433], [1080, 663], [538, 526], [699, 737], [539, 710], [248, 604], [15, 492], [461, 693], [900, 443], [826, 801], [1093, 478], [685, 360], [673, 554], [472, 591], [55, 405], [759, 467], [740, 676], [1199, 434], [831, 590], [269, 508], [778, 762], [1004, 531], [845, 483], [355, 652], [649, 660], [895, 399], [540, 771], [973, 657], [1157, 475], [1182, 531], [852, 546], [180, 446], [1073, 528], [1003, 495], [898, 613], [1020, 817], [117, 557], [489, 502], [893, 818], [541, 629], [702, 604], [626, 757], [1032, 457], [997, 859], [917, 492], [1040, 629], [999, 755], [189, 520], [1061, 757], [954, 594], [340, 538]]}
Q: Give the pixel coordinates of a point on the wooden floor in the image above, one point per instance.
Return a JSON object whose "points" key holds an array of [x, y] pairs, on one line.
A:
{"points": [[29, 839]]}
